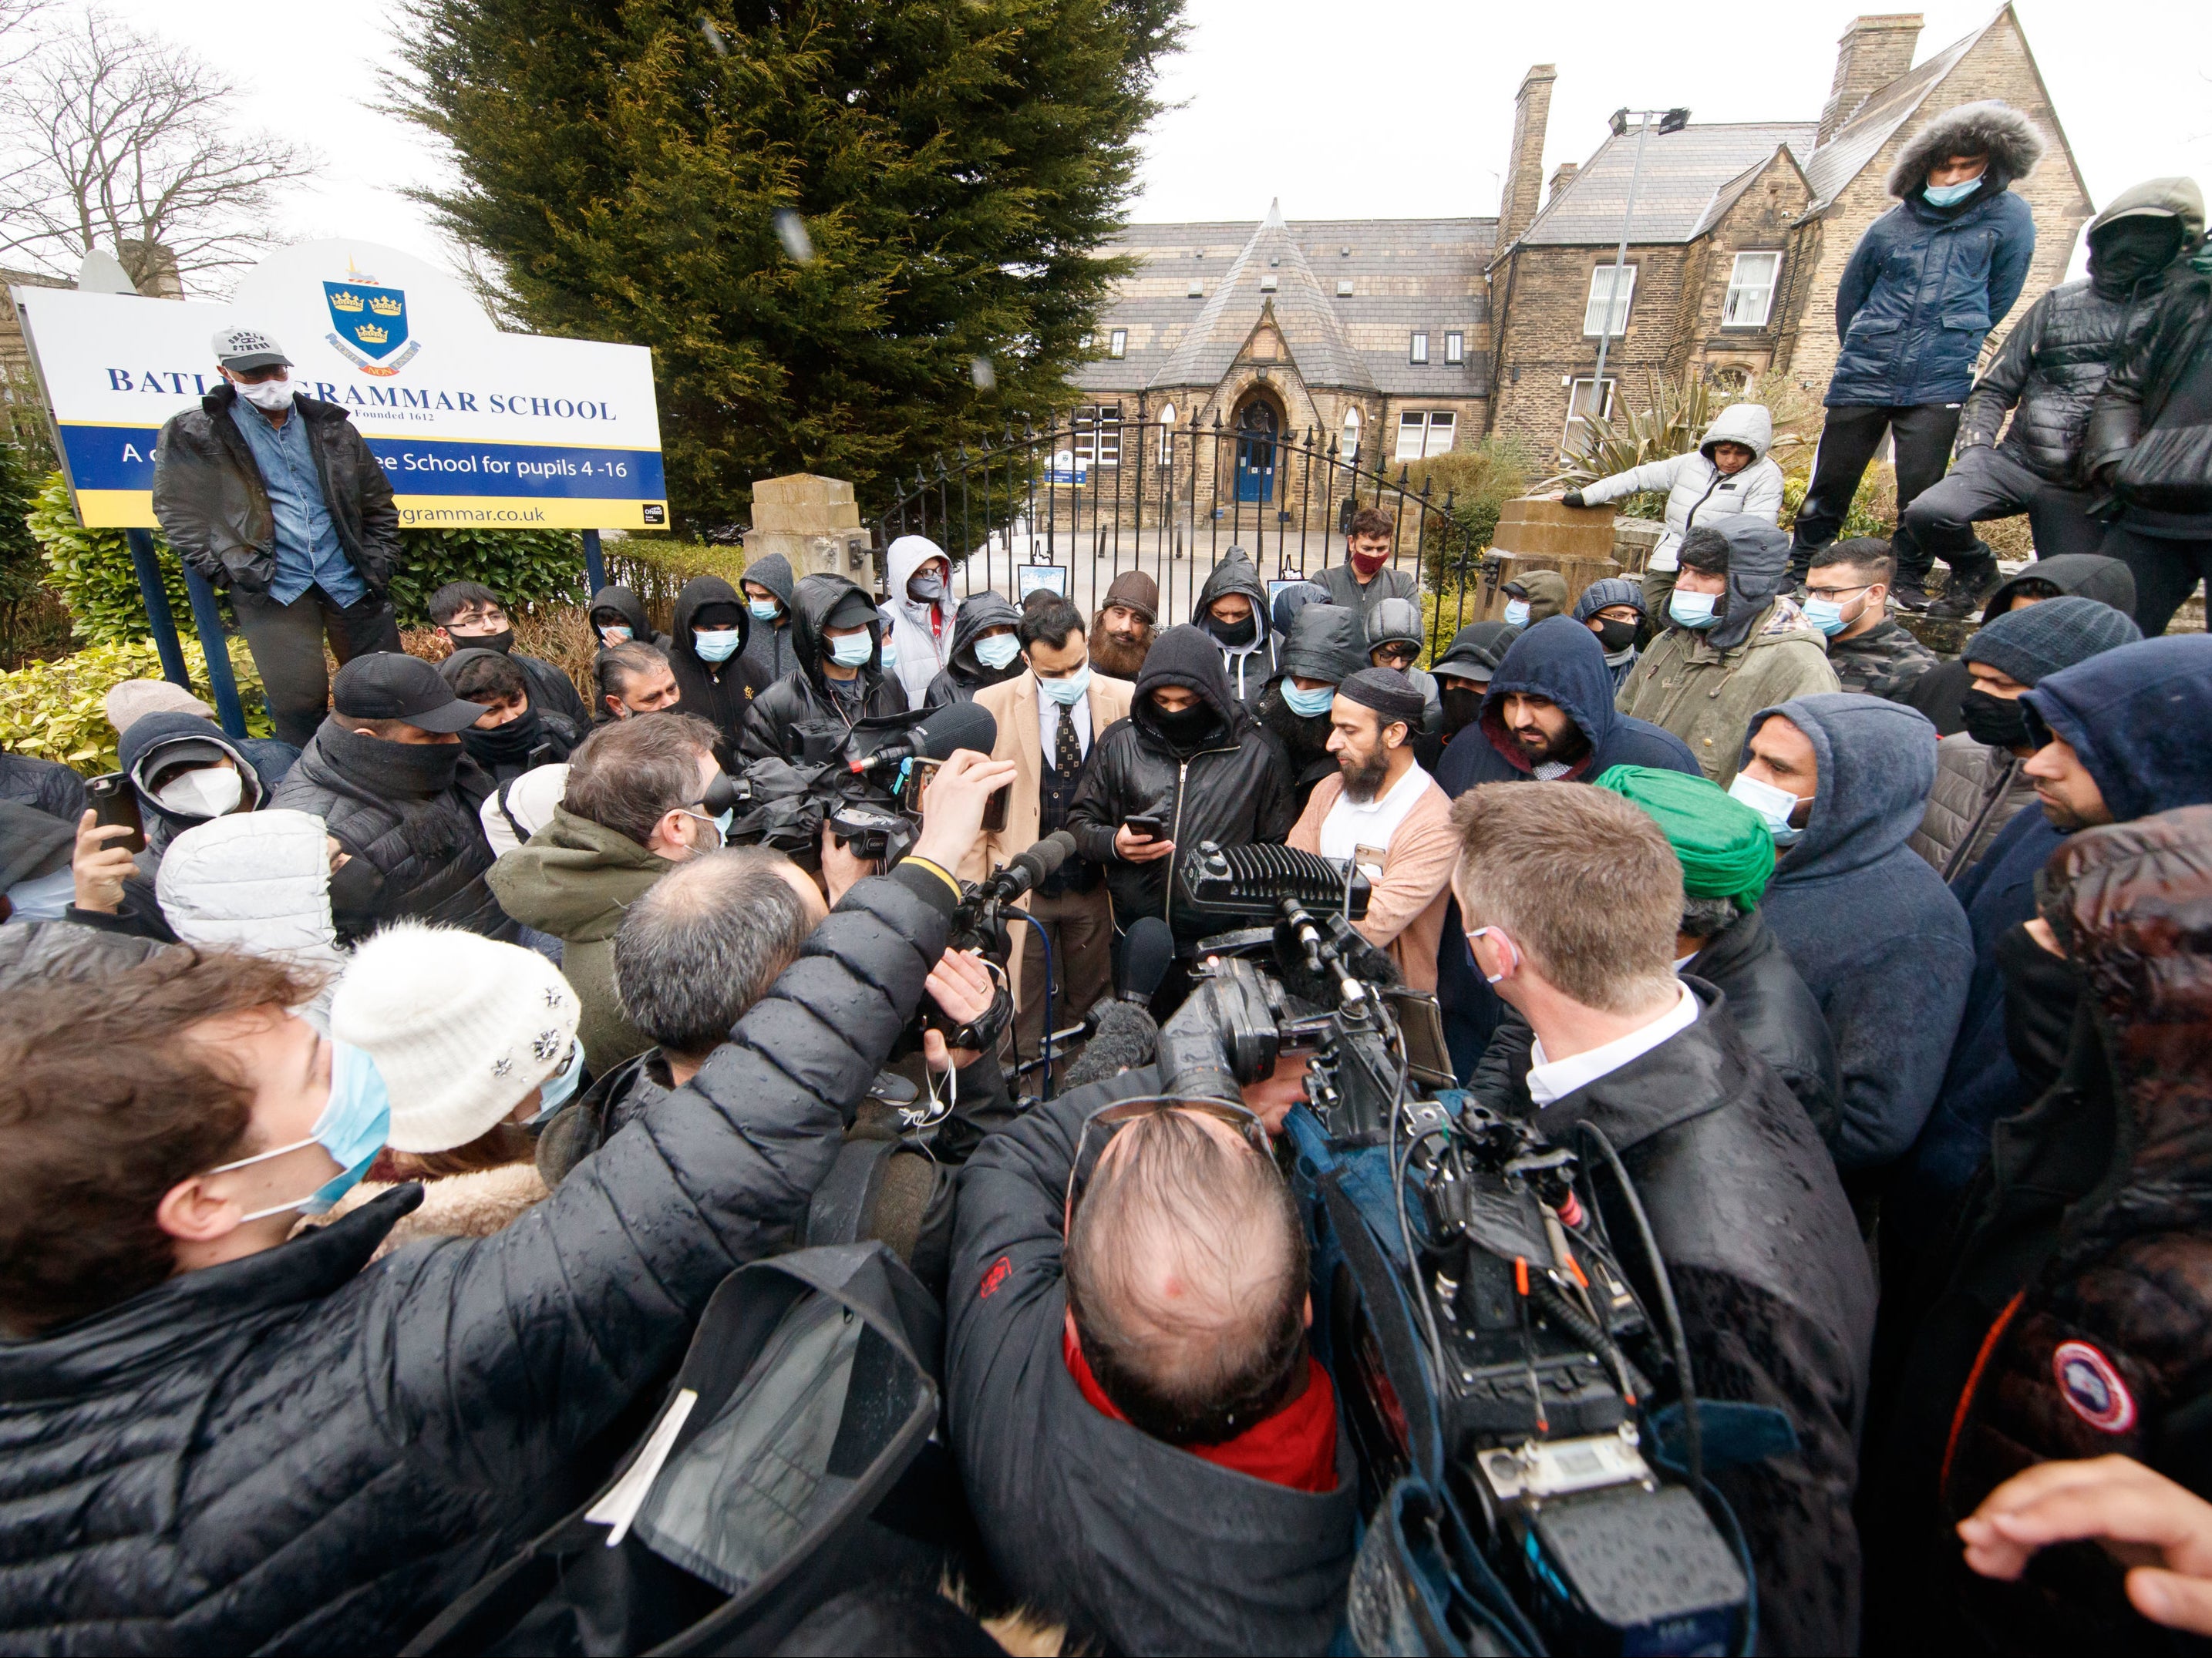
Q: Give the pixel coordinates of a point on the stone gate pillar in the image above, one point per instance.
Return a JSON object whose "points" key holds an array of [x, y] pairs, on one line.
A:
{"points": [[812, 521]]}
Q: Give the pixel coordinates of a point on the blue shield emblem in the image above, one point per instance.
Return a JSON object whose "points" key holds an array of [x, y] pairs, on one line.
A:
{"points": [[371, 321]]}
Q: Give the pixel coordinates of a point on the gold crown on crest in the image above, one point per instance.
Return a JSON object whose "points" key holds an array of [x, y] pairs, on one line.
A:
{"points": [[386, 307], [345, 301], [369, 334]]}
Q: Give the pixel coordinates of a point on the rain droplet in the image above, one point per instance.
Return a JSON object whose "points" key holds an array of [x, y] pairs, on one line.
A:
{"points": [[980, 371], [791, 230], [714, 37]]}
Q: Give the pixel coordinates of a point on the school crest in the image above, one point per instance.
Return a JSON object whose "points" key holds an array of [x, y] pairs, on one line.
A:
{"points": [[369, 325]]}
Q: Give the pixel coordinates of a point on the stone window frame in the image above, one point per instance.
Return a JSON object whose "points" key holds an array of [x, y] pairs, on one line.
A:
{"points": [[1429, 422], [1737, 285], [1623, 306], [1575, 384], [1096, 428]]}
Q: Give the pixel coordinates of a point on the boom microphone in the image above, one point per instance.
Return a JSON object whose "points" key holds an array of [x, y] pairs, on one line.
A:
{"points": [[955, 725], [1147, 955], [1027, 869]]}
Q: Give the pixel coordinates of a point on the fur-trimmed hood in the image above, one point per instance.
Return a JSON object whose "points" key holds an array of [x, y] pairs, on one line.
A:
{"points": [[2012, 142]]}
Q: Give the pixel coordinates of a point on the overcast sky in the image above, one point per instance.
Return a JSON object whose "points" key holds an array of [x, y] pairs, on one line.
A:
{"points": [[1342, 110]]}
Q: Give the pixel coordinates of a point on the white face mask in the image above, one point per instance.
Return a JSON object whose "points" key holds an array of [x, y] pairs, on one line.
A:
{"points": [[268, 395], [1773, 804], [208, 792]]}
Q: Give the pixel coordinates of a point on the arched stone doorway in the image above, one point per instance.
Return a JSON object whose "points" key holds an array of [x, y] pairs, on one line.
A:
{"points": [[1259, 422]]}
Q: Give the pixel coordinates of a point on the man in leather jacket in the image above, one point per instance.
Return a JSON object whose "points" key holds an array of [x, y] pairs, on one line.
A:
{"points": [[275, 495], [822, 698], [2048, 373], [1774, 1289]]}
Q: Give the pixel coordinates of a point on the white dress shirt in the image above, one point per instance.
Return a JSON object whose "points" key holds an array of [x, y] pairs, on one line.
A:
{"points": [[1554, 1079], [1049, 725]]}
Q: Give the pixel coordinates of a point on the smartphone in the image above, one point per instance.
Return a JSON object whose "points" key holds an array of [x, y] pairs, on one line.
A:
{"points": [[1151, 827], [994, 809], [114, 801]]}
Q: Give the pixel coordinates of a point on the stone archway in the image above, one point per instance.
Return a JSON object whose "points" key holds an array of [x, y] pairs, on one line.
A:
{"points": [[1259, 422]]}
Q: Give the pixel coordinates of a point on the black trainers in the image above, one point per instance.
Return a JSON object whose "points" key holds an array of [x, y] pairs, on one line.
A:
{"points": [[1969, 590], [1909, 594]]}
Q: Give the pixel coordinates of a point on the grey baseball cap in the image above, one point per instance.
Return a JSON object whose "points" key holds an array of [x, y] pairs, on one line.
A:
{"points": [[248, 348]]}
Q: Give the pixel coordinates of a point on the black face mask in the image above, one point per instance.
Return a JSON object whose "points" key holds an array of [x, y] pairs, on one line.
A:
{"points": [[1186, 725], [1999, 721], [1235, 635], [501, 642], [505, 745], [1615, 635], [385, 767], [2042, 994], [1461, 705], [2124, 253]]}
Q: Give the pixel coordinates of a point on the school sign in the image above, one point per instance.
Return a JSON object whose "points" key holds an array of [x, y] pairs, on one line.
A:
{"points": [[475, 427]]}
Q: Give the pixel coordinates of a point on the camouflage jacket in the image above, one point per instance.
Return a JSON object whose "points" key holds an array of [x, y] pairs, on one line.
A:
{"points": [[1882, 661]]}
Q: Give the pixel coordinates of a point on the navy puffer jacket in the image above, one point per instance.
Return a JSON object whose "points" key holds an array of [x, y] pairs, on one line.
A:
{"points": [[304, 1452]]}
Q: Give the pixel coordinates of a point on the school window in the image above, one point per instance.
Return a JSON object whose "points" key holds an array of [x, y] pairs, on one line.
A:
{"points": [[1419, 351], [1425, 432], [1455, 348], [1582, 400], [1595, 319], [1098, 434], [1117, 344], [1750, 290]]}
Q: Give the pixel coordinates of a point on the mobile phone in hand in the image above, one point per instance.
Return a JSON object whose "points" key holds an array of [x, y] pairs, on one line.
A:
{"points": [[114, 801], [1152, 827]]}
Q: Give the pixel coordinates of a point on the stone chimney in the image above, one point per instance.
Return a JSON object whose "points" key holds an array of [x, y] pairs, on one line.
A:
{"points": [[1874, 51], [1562, 176], [1524, 166]]}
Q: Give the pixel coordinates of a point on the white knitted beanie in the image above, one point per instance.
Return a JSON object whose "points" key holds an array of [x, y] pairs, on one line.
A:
{"points": [[460, 1026]]}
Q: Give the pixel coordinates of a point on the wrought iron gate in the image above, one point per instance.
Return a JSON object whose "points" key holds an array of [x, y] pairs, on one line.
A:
{"points": [[1076, 502]]}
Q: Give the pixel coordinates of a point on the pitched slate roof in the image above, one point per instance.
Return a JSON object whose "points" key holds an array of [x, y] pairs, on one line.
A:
{"points": [[1886, 108], [1405, 276], [1684, 175]]}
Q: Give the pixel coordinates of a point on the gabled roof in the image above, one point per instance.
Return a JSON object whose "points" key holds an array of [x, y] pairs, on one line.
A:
{"points": [[1731, 192], [1216, 336], [1886, 108], [1682, 174]]}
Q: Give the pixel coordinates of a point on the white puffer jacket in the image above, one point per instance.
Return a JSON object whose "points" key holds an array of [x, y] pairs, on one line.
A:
{"points": [[258, 882], [1696, 492], [913, 649]]}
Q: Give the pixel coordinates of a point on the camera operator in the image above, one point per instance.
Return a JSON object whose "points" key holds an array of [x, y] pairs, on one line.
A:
{"points": [[322, 1456], [1149, 1450], [1775, 1295]]}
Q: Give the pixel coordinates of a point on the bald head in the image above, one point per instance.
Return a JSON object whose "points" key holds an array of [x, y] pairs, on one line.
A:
{"points": [[1187, 1279]]}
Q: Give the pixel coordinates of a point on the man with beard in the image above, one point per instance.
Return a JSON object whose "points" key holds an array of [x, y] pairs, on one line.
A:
{"points": [[1548, 714], [1121, 631], [1385, 814]]}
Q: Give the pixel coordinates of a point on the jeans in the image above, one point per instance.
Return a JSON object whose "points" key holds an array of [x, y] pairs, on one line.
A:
{"points": [[1923, 434], [287, 641], [2167, 571], [1986, 484], [1081, 927]]}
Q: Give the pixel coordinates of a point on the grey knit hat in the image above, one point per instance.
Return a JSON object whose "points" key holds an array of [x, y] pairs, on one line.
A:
{"points": [[2028, 644], [1614, 590]]}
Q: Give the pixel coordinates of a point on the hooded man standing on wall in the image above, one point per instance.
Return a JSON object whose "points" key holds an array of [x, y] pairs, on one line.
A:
{"points": [[1927, 283]]}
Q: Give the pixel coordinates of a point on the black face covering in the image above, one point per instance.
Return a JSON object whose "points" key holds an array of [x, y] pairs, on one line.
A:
{"points": [[1462, 704], [1235, 635], [1186, 728], [505, 745], [1999, 721], [1615, 635], [2123, 254], [503, 641], [2042, 992], [387, 769]]}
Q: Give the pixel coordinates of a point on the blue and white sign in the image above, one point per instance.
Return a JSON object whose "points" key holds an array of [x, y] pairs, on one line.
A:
{"points": [[474, 427]]}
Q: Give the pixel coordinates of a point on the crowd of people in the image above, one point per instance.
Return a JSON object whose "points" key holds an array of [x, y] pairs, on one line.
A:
{"points": [[384, 1120]]}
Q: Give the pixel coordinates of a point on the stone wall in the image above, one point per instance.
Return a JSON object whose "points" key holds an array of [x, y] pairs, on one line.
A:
{"points": [[1541, 343]]}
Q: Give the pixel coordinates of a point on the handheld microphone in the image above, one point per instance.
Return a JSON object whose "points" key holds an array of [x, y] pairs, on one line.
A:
{"points": [[955, 725], [1029, 868], [1147, 955]]}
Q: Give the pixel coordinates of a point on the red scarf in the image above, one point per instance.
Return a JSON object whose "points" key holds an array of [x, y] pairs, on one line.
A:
{"points": [[1295, 1447]]}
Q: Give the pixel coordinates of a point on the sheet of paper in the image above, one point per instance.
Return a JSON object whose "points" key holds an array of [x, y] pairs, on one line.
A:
{"points": [[627, 1495]]}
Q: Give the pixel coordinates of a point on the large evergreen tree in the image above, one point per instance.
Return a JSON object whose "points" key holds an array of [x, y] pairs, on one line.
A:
{"points": [[956, 165]]}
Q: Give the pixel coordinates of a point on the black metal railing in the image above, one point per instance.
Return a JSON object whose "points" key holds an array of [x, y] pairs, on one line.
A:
{"points": [[1089, 502]]}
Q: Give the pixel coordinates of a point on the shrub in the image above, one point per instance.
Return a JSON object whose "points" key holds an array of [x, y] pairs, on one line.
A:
{"points": [[1468, 489], [91, 569], [52, 710], [655, 568], [523, 567]]}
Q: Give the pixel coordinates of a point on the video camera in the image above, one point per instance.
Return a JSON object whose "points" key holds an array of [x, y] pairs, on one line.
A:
{"points": [[1502, 1379]]}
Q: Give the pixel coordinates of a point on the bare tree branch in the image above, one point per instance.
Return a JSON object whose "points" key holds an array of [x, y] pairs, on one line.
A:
{"points": [[127, 142]]}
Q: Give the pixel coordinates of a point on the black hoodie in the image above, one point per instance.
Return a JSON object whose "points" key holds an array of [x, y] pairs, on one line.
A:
{"points": [[1247, 670], [801, 703], [1229, 785], [2087, 575], [625, 603], [718, 692], [965, 673]]}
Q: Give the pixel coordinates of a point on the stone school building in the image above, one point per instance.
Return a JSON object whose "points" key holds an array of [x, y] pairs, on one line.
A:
{"points": [[1421, 334]]}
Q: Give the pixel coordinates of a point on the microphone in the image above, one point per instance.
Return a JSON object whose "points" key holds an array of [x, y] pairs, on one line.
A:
{"points": [[955, 725], [1123, 1035], [1027, 869], [1145, 958]]}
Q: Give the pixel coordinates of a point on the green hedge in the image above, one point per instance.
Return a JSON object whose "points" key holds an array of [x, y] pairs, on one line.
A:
{"points": [[91, 569], [52, 710]]}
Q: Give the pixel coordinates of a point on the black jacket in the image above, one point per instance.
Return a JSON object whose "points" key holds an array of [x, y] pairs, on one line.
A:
{"points": [[290, 1452], [552, 690], [2157, 446], [422, 853], [214, 507], [800, 703], [965, 673], [1938, 692], [2048, 372], [1327, 642], [1775, 1294], [46, 785], [1231, 785], [1142, 1547], [719, 693]]}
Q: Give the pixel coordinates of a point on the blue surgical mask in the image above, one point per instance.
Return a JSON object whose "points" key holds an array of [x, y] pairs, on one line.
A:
{"points": [[353, 1128], [557, 1090], [852, 651], [763, 610], [613, 636], [928, 589], [1693, 610], [1826, 614], [1308, 704], [998, 650], [1773, 804], [1068, 691], [715, 644], [1517, 613], [1951, 195]]}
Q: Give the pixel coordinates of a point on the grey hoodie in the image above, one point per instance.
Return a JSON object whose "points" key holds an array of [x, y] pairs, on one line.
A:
{"points": [[767, 645], [1249, 667]]}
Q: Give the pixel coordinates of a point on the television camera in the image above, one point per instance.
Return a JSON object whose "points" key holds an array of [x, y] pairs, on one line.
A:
{"points": [[1528, 1434]]}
